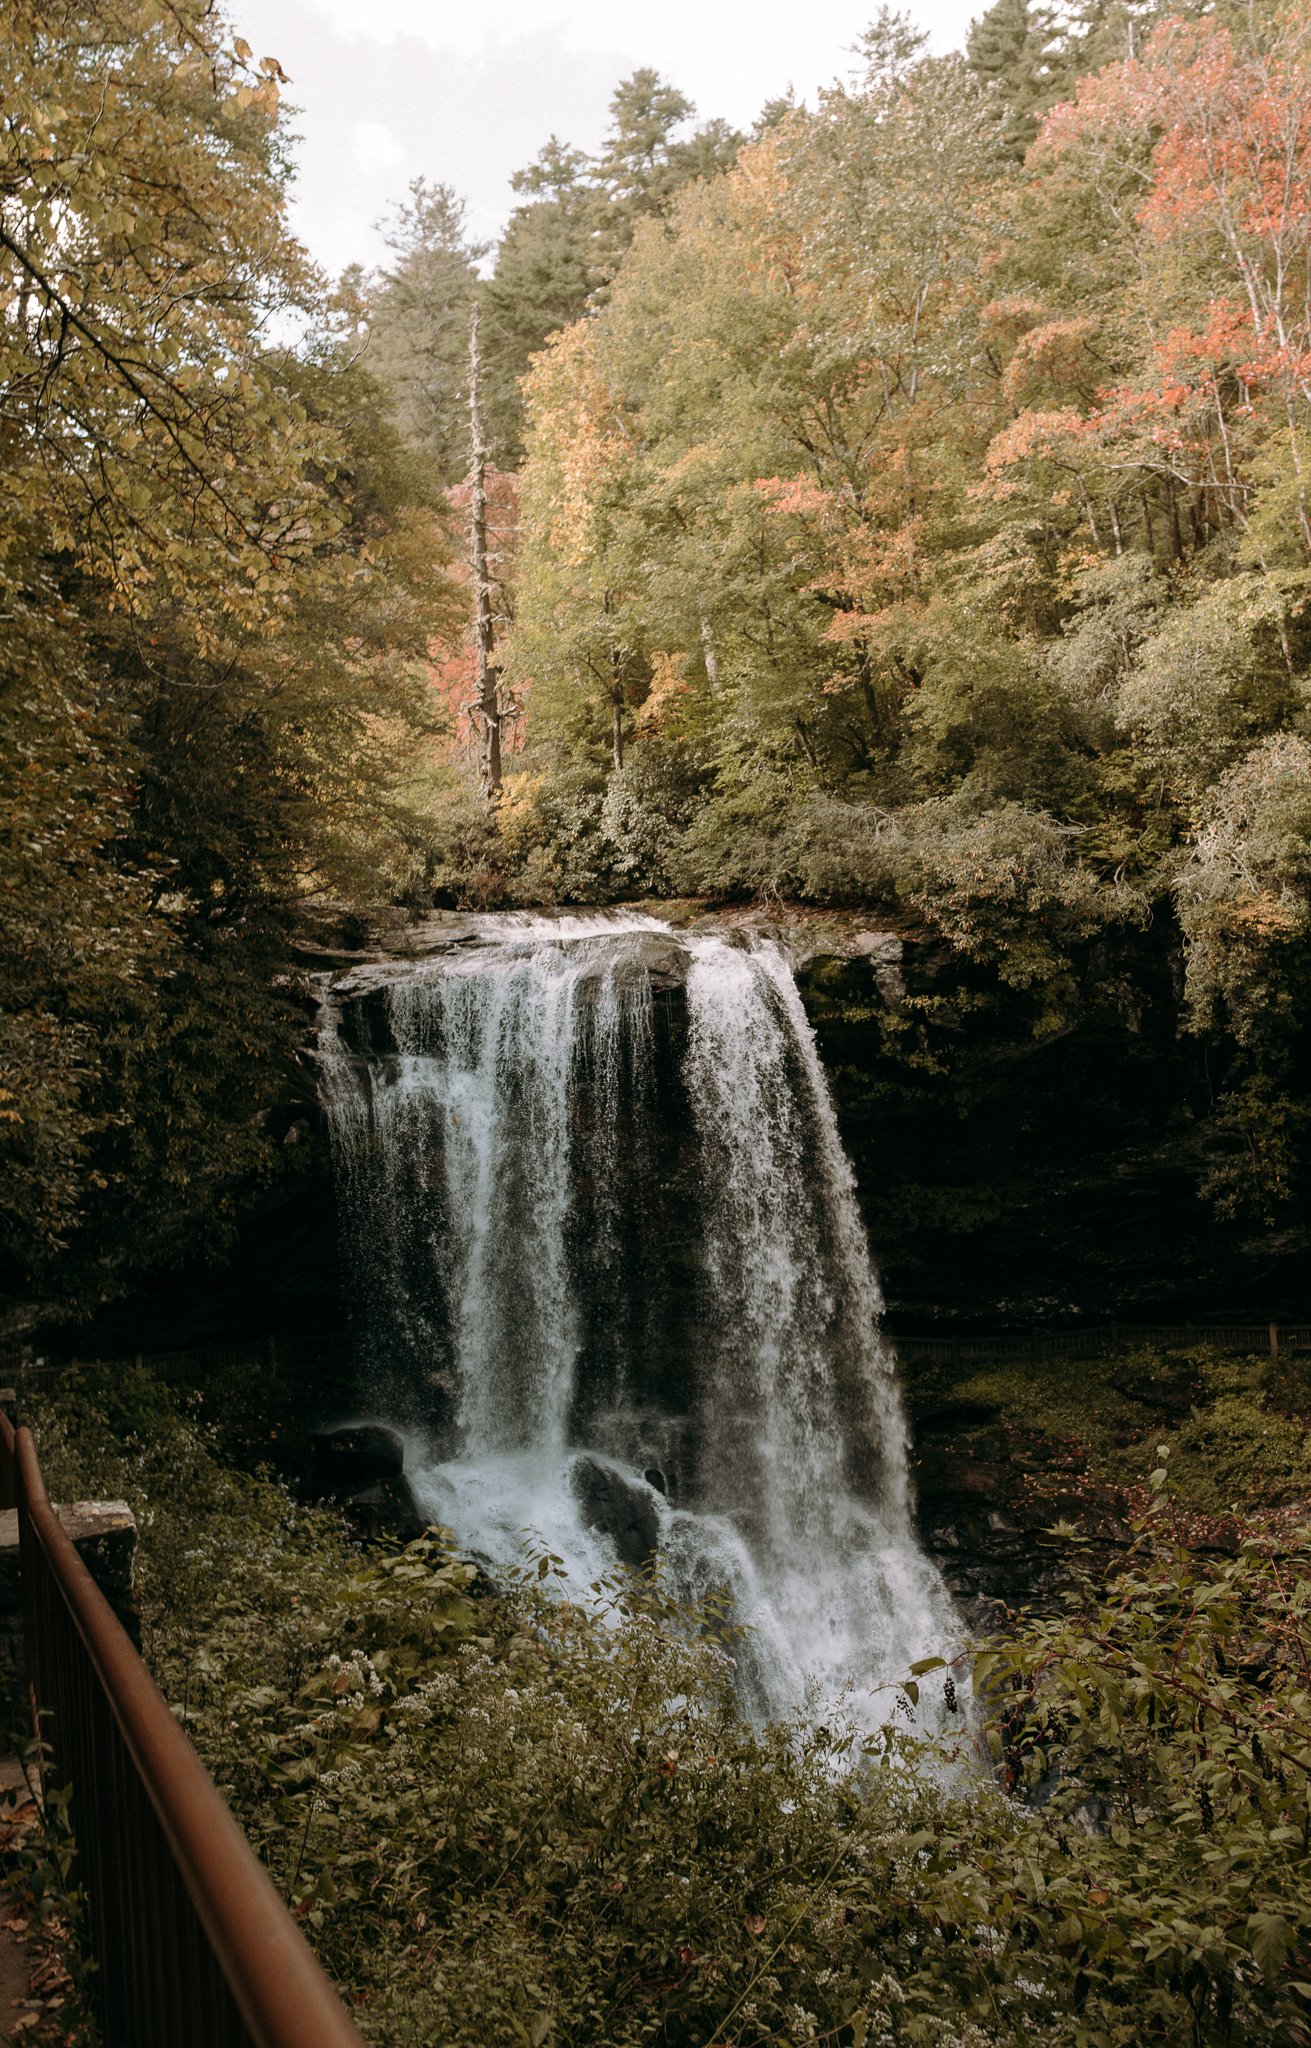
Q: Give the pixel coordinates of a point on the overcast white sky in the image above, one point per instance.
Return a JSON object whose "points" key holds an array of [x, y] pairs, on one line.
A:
{"points": [[467, 91]]}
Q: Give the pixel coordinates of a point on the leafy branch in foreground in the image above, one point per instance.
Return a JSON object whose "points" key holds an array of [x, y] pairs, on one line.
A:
{"points": [[1162, 1727]]}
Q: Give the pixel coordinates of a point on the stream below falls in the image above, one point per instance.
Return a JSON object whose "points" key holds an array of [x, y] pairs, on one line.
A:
{"points": [[609, 1274]]}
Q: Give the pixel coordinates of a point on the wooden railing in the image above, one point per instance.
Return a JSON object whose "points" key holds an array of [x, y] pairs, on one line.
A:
{"points": [[1108, 1341], [193, 1948]]}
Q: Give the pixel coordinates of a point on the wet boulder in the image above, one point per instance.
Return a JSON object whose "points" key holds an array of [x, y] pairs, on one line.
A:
{"points": [[660, 957], [356, 1455], [619, 1505], [387, 1509]]}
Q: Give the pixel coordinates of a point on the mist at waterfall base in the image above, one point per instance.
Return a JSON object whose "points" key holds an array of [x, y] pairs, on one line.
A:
{"points": [[610, 1276]]}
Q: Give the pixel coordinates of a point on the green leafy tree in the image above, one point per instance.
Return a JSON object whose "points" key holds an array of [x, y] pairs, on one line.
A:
{"points": [[214, 552]]}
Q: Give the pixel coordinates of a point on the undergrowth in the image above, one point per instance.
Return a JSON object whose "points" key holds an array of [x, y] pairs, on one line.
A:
{"points": [[1237, 1427], [533, 1813]]}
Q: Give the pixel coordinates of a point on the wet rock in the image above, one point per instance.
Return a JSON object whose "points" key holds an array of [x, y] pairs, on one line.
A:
{"points": [[659, 956], [387, 1509], [355, 1456], [1018, 1175], [884, 951], [620, 1506], [364, 1024], [989, 1501]]}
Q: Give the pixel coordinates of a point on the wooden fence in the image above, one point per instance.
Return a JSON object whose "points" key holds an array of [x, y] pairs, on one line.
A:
{"points": [[192, 1946]]}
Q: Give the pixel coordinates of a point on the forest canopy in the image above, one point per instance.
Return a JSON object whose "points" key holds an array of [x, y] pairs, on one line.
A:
{"points": [[923, 520], [904, 504]]}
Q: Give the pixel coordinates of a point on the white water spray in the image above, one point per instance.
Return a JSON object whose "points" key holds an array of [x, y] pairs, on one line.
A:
{"points": [[619, 1279]]}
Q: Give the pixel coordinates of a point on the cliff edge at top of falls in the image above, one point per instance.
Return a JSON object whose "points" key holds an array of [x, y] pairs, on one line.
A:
{"points": [[1024, 1156], [1019, 1161], [360, 957]]}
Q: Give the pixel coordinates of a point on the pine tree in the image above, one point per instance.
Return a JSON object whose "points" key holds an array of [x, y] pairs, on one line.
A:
{"points": [[644, 165], [634, 167], [564, 244], [1008, 48], [419, 326], [1101, 32], [773, 112], [546, 268]]}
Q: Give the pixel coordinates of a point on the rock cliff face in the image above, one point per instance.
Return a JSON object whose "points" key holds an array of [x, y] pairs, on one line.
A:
{"points": [[1011, 1171], [1012, 1168], [988, 1494], [1019, 1169]]}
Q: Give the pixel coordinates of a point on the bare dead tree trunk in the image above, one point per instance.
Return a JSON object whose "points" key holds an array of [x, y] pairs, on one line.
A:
{"points": [[489, 709], [616, 711], [711, 658]]}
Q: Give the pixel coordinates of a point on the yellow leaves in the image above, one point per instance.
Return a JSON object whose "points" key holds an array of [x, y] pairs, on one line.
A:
{"points": [[579, 439], [148, 369], [759, 174], [666, 704], [1265, 916], [263, 98]]}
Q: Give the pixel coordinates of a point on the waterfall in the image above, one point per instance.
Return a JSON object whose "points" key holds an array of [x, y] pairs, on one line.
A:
{"points": [[610, 1272]]}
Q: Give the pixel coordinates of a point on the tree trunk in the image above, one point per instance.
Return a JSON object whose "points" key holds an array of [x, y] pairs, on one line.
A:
{"points": [[488, 707], [1176, 533], [616, 706], [711, 659]]}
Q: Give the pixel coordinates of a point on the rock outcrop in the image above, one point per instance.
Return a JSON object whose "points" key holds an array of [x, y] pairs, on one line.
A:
{"points": [[619, 1506]]}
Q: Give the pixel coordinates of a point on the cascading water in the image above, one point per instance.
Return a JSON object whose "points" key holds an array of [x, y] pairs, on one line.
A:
{"points": [[610, 1270]]}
